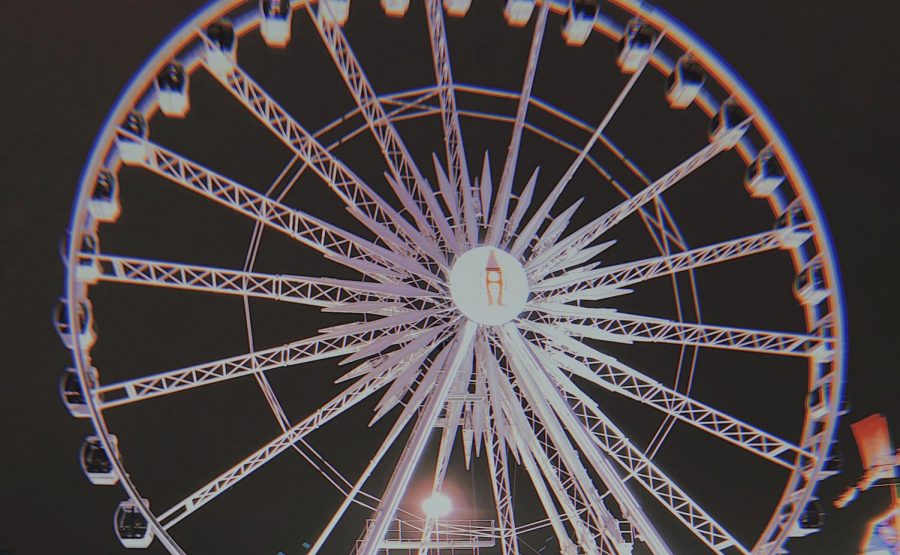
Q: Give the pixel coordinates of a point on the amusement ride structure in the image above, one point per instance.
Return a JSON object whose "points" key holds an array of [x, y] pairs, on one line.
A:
{"points": [[474, 310]]}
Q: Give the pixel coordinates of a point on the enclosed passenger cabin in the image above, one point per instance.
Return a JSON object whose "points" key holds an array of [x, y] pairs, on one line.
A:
{"points": [[684, 83], [395, 8], [72, 394], [822, 348], [457, 8], [794, 228], [729, 124], [809, 521], [133, 148], [85, 329], [764, 174], [104, 203], [580, 20], [518, 12], [87, 268], [809, 286], [634, 45], [333, 12], [96, 463], [834, 462], [132, 528], [172, 90], [221, 48], [817, 401], [275, 22]]}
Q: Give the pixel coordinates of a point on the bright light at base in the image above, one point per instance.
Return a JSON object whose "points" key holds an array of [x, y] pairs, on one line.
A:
{"points": [[437, 506]]}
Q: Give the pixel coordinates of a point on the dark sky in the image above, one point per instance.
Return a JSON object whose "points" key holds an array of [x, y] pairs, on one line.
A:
{"points": [[826, 72]]}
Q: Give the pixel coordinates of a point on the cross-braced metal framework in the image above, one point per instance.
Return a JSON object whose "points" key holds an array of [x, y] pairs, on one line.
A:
{"points": [[521, 391]]}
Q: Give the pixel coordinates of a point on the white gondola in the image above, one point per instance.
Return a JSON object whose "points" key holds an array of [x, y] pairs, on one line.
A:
{"points": [[793, 226], [518, 12], [96, 463], [764, 174], [834, 462], [580, 20], [684, 83], [823, 349], [810, 520], [131, 527], [275, 22], [172, 90], [395, 8], [818, 401], [457, 8], [729, 124], [72, 394], [133, 149], [87, 268], [809, 286], [334, 11], [85, 330], [104, 203], [634, 46], [221, 48]]}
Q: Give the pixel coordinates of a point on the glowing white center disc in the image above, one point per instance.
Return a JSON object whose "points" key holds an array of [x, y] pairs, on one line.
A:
{"points": [[488, 286]]}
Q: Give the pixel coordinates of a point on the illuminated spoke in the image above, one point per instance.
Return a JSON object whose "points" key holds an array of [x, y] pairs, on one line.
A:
{"points": [[398, 158], [459, 196], [350, 397], [572, 286], [545, 262], [626, 328], [431, 410], [551, 409], [322, 292], [336, 244], [364, 203], [504, 190], [618, 447], [518, 248], [609, 373], [336, 342]]}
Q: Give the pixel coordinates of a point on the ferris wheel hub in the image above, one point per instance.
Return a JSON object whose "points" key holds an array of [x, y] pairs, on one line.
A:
{"points": [[488, 286]]}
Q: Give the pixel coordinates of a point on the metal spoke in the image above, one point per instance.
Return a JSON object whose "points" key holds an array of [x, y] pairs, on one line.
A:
{"points": [[571, 286], [322, 292], [504, 190], [396, 155], [460, 200], [416, 444], [627, 328], [404, 418], [356, 194], [336, 244], [538, 449], [550, 407], [543, 370], [349, 398], [617, 446], [543, 212], [545, 262], [615, 376], [503, 417], [499, 470], [327, 345]]}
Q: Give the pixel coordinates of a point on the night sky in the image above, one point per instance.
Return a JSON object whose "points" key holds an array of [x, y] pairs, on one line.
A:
{"points": [[827, 74]]}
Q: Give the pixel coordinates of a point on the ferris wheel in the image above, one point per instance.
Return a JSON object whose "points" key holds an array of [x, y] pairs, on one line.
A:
{"points": [[503, 282]]}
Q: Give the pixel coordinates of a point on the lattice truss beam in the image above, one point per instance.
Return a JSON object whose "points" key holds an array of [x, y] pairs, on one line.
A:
{"points": [[611, 374], [416, 194], [362, 201]]}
